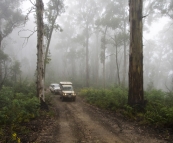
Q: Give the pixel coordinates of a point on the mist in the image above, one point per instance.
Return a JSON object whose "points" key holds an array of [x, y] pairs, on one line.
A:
{"points": [[67, 52]]}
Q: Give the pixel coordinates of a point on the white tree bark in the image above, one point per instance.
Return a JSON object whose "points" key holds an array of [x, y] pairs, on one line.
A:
{"points": [[40, 58]]}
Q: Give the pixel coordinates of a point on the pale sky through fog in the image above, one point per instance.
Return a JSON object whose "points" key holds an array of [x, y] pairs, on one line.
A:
{"points": [[155, 28]]}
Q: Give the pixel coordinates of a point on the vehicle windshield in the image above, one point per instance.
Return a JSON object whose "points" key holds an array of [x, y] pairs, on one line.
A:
{"points": [[67, 88], [56, 85]]}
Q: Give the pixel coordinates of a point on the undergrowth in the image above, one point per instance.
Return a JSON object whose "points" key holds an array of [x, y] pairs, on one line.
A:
{"points": [[158, 111], [18, 104]]}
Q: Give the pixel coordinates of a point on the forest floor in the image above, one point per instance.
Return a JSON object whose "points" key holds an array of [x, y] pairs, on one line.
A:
{"points": [[79, 122]]}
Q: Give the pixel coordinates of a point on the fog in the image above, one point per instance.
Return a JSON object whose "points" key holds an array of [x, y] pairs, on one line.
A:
{"points": [[67, 50]]}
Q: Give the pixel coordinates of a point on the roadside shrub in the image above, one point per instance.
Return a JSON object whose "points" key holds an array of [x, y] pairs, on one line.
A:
{"points": [[18, 104], [155, 96], [111, 99], [25, 88], [17, 107], [158, 111]]}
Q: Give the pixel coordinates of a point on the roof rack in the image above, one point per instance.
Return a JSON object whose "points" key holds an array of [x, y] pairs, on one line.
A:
{"points": [[65, 82]]}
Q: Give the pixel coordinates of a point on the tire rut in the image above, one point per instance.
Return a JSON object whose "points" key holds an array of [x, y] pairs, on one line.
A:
{"points": [[91, 130], [79, 122]]}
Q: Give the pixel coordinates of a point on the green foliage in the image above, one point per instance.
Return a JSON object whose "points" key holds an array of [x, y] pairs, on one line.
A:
{"points": [[25, 88], [18, 104], [111, 99], [158, 111], [17, 107]]}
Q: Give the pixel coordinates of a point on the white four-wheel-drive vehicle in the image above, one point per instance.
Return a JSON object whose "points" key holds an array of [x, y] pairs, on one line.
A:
{"points": [[55, 88], [67, 91]]}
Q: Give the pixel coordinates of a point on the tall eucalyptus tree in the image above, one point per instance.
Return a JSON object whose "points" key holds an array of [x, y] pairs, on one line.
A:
{"points": [[135, 95], [55, 9], [115, 18], [103, 56], [86, 14], [40, 58], [118, 39]]}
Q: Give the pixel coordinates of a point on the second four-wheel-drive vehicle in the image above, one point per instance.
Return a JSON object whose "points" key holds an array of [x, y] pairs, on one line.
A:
{"points": [[67, 91], [55, 88]]}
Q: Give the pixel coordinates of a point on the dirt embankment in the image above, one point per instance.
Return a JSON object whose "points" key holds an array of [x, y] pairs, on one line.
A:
{"points": [[78, 122]]}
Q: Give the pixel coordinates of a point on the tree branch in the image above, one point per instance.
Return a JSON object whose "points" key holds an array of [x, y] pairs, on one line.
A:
{"points": [[27, 15], [26, 38], [145, 16], [32, 3]]}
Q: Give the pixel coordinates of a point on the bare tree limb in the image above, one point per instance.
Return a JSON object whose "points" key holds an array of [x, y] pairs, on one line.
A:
{"points": [[28, 13], [34, 4], [27, 37]]}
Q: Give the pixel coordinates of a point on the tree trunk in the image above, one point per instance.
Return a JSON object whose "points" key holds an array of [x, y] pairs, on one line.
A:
{"points": [[125, 61], [48, 44], [136, 54], [104, 50], [117, 65], [97, 59], [104, 67], [87, 57], [0, 61], [40, 59]]}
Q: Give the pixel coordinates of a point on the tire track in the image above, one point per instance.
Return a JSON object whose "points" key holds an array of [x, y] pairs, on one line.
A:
{"points": [[79, 122]]}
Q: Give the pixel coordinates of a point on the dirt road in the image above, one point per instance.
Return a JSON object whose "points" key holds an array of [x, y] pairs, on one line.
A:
{"points": [[79, 122]]}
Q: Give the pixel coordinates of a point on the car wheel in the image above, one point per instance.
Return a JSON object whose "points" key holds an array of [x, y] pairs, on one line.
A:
{"points": [[74, 99]]}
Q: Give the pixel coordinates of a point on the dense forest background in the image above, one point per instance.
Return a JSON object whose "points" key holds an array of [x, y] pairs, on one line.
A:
{"points": [[103, 28], [88, 43]]}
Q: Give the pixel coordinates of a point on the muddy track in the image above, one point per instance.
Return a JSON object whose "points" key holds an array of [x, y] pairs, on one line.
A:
{"points": [[79, 122]]}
